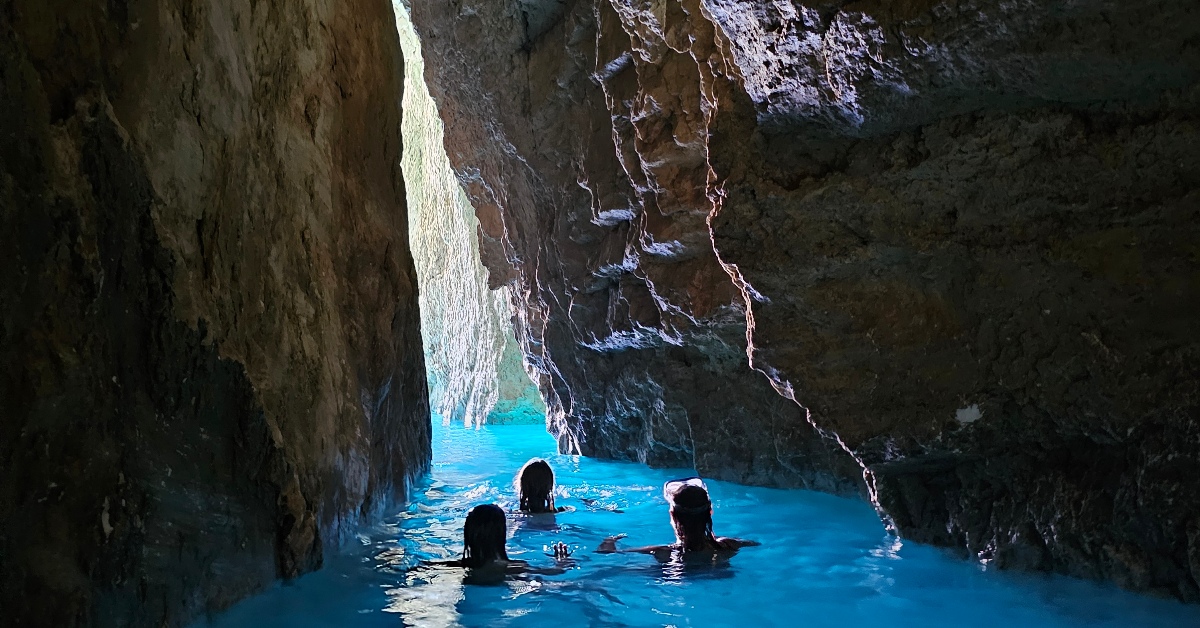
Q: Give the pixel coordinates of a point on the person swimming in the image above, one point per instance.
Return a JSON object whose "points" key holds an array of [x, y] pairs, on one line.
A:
{"points": [[691, 517], [484, 536], [484, 552], [535, 488]]}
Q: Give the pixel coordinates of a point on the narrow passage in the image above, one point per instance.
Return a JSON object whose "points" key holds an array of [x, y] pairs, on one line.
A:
{"points": [[825, 562]]}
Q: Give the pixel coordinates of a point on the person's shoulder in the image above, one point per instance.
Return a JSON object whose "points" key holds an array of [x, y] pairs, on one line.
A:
{"points": [[549, 514], [654, 550], [442, 563], [730, 543]]}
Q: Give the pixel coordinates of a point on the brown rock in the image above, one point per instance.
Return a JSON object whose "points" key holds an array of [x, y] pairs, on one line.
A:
{"points": [[211, 359], [638, 331], [960, 236]]}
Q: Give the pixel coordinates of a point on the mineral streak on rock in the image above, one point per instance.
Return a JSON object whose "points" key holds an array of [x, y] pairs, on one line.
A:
{"points": [[210, 363], [475, 369], [960, 235]]}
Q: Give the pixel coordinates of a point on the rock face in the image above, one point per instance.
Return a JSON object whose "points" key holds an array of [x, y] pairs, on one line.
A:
{"points": [[475, 370], [210, 364], [637, 331], [941, 252]]}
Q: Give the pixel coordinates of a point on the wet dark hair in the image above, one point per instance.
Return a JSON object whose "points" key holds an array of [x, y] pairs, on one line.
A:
{"points": [[483, 536], [535, 486], [691, 514]]}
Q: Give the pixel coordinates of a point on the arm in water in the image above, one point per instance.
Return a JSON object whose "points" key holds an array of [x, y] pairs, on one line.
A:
{"points": [[609, 546], [497, 570]]}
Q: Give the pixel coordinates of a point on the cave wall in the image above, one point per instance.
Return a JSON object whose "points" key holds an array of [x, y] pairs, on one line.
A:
{"points": [[474, 365], [632, 361], [940, 253], [211, 365]]}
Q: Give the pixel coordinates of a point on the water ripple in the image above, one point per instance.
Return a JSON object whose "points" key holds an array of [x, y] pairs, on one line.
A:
{"points": [[825, 561]]}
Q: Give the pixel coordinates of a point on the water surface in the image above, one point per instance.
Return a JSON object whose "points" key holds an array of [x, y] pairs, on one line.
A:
{"points": [[826, 561]]}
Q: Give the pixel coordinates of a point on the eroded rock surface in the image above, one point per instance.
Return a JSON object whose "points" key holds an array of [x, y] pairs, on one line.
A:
{"points": [[211, 365], [637, 331], [474, 366], [957, 238]]}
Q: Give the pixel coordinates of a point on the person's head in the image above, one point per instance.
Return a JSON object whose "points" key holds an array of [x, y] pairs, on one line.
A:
{"points": [[691, 512], [535, 486], [483, 535]]}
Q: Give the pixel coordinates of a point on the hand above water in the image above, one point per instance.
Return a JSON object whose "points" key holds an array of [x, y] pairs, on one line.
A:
{"points": [[561, 553]]}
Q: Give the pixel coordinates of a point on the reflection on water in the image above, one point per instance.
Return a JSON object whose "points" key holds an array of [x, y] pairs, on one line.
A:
{"points": [[427, 596], [825, 561]]}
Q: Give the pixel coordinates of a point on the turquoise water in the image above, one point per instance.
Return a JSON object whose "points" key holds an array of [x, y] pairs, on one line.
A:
{"points": [[826, 561]]}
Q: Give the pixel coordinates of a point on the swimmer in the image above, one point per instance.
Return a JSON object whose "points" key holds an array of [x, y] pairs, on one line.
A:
{"points": [[691, 516], [535, 488], [484, 552]]}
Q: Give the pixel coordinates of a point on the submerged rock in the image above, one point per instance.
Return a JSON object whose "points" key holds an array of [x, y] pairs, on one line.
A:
{"points": [[939, 252], [211, 365]]}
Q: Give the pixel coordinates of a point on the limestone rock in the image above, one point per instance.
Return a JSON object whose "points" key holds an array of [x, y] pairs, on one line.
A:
{"points": [[210, 364], [475, 370], [941, 251], [631, 360]]}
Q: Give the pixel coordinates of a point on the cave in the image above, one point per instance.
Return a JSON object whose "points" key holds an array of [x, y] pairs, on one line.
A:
{"points": [[919, 279]]}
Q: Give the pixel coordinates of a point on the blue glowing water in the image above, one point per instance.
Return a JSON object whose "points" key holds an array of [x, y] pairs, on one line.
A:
{"points": [[825, 561]]}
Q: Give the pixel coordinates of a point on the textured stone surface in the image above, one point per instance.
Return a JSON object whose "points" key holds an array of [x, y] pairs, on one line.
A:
{"points": [[475, 369], [210, 363], [632, 362], [959, 235]]}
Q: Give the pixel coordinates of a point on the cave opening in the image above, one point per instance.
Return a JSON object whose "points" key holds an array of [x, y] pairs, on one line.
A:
{"points": [[475, 369]]}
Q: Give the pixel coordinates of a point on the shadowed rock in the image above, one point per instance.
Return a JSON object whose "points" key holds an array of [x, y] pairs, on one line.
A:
{"points": [[951, 244], [211, 360]]}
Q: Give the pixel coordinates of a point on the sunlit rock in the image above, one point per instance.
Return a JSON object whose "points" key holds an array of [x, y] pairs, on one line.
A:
{"points": [[475, 368]]}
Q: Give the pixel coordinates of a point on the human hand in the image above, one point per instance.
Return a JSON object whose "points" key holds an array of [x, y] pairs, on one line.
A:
{"points": [[609, 544]]}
